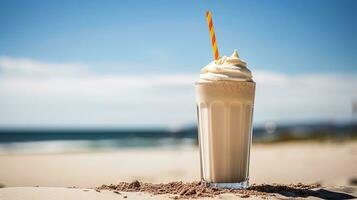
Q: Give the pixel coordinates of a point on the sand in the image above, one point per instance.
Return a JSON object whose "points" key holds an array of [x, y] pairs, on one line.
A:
{"points": [[55, 193], [199, 189], [330, 164], [48, 193]]}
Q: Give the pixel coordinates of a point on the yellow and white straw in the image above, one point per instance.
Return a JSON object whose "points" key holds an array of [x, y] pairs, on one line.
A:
{"points": [[213, 37]]}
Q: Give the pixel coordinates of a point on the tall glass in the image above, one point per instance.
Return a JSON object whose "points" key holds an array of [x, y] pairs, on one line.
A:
{"points": [[225, 111]]}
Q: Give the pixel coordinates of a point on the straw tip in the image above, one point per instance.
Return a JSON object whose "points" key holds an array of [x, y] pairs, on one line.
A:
{"points": [[207, 12]]}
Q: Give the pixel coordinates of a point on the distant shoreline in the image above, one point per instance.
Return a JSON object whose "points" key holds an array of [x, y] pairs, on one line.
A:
{"points": [[261, 134]]}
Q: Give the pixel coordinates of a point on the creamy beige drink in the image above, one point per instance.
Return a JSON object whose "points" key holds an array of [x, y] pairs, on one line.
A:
{"points": [[225, 99]]}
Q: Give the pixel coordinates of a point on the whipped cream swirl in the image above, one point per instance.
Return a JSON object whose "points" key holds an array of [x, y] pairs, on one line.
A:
{"points": [[227, 68]]}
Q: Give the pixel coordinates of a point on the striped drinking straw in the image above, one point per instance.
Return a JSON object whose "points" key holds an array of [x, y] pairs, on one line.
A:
{"points": [[213, 37]]}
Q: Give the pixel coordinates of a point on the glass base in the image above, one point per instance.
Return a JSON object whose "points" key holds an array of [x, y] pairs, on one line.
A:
{"points": [[240, 185]]}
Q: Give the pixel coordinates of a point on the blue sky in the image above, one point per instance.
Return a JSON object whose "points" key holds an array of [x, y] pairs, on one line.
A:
{"points": [[285, 36], [134, 63]]}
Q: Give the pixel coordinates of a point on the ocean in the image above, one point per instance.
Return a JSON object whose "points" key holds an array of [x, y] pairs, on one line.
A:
{"points": [[15, 140], [82, 140]]}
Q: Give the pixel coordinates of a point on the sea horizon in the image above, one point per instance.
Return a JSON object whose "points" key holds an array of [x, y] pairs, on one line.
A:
{"points": [[65, 140]]}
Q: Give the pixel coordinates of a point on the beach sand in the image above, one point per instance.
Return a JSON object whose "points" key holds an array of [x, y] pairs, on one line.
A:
{"points": [[56, 193], [330, 164], [48, 193]]}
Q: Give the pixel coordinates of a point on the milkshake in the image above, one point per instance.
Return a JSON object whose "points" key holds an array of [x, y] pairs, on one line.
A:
{"points": [[225, 99]]}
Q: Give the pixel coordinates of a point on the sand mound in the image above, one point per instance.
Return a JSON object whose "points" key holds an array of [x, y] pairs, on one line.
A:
{"points": [[201, 189]]}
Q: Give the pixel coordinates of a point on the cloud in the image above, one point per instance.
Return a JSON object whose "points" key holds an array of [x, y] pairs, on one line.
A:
{"points": [[305, 97], [35, 93], [21, 67]]}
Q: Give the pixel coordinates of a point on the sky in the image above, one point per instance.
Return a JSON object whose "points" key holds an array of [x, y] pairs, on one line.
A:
{"points": [[134, 63]]}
